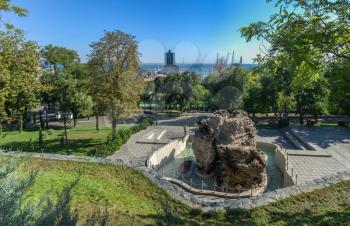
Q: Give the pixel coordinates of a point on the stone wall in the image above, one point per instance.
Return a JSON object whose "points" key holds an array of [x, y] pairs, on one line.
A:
{"points": [[281, 162], [249, 202], [167, 153]]}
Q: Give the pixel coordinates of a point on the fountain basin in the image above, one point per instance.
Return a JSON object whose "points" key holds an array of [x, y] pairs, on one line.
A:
{"points": [[180, 169]]}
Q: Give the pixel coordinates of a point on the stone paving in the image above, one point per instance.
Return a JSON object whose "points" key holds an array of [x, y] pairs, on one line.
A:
{"points": [[141, 145], [333, 139], [311, 167]]}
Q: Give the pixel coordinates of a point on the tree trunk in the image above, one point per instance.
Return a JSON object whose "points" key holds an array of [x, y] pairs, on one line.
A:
{"points": [[114, 128], [46, 120], [75, 120], [65, 132], [301, 116], [0, 129], [97, 123], [253, 114], [34, 118], [41, 120], [316, 118], [20, 129]]}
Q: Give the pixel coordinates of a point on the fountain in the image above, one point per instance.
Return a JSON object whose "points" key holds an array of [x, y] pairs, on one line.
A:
{"points": [[223, 156], [225, 144]]}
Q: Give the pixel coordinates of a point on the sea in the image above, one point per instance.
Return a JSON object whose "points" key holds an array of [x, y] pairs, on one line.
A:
{"points": [[202, 69]]}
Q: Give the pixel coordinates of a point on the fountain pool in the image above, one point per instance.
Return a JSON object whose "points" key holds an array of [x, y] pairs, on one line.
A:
{"points": [[183, 168]]}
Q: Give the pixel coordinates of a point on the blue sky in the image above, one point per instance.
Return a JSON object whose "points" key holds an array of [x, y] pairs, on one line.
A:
{"points": [[195, 29]]}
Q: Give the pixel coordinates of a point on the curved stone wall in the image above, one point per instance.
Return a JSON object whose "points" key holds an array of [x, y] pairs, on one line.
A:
{"points": [[166, 153], [281, 162], [170, 150]]}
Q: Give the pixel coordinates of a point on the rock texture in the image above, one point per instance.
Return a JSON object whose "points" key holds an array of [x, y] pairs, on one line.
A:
{"points": [[225, 142]]}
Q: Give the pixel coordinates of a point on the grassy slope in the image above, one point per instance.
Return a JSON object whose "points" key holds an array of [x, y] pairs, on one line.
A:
{"points": [[132, 199], [82, 140]]}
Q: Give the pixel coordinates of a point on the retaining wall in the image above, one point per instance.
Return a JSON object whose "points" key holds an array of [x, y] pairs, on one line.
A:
{"points": [[281, 162], [167, 153]]}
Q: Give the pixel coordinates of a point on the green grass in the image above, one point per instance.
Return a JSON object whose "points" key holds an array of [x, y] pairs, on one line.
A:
{"points": [[82, 140], [132, 199]]}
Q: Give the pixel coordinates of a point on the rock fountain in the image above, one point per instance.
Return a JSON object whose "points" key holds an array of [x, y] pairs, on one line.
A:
{"points": [[225, 145]]}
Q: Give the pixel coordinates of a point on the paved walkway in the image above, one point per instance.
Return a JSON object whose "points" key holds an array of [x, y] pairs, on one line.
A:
{"points": [[141, 145], [309, 168], [333, 139]]}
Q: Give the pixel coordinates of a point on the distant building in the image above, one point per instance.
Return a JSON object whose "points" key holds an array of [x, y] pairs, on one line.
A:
{"points": [[169, 61]]}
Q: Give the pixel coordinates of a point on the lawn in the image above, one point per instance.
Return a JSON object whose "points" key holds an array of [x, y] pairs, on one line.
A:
{"points": [[82, 140], [132, 199]]}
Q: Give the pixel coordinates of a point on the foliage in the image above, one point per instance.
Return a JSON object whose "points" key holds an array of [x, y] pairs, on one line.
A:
{"points": [[178, 89], [122, 135], [12, 191], [16, 211], [304, 38], [59, 57], [227, 88], [339, 82], [67, 83], [7, 6], [19, 74], [113, 66], [324, 26]]}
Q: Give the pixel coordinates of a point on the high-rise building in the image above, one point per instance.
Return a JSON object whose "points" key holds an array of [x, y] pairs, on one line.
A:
{"points": [[170, 66], [169, 58]]}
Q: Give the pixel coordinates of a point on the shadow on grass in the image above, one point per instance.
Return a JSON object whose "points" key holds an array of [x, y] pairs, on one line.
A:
{"points": [[341, 216], [62, 212], [245, 217]]}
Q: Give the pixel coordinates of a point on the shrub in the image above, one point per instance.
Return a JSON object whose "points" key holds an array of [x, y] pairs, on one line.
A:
{"points": [[284, 122], [122, 135], [310, 123], [14, 186]]}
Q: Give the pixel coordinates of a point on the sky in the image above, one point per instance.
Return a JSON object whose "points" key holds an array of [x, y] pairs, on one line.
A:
{"points": [[195, 29]]}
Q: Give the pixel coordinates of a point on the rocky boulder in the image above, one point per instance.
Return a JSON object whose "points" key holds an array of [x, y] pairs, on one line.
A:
{"points": [[226, 142]]}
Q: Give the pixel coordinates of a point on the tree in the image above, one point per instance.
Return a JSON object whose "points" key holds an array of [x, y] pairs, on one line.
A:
{"points": [[227, 88], [114, 62], [7, 6], [339, 81], [57, 56], [319, 25], [19, 79], [67, 82], [178, 89], [300, 44]]}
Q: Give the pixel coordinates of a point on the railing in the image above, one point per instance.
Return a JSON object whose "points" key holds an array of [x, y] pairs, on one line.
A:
{"points": [[214, 189]]}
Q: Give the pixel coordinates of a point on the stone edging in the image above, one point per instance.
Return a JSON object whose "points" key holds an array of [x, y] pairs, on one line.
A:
{"points": [[64, 157], [249, 202]]}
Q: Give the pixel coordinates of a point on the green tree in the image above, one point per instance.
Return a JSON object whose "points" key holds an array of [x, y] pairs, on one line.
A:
{"points": [[114, 62], [227, 88], [299, 46], [178, 89], [67, 84], [19, 75], [7, 6], [306, 24], [339, 82], [57, 56]]}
